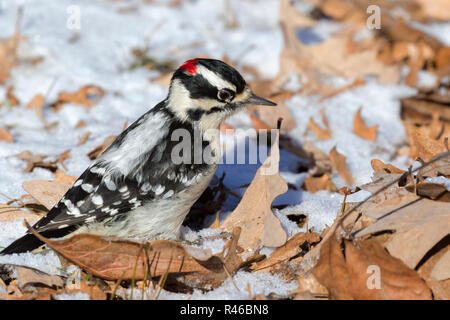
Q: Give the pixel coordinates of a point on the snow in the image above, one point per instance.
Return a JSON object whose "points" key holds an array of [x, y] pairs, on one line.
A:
{"points": [[100, 53], [73, 296]]}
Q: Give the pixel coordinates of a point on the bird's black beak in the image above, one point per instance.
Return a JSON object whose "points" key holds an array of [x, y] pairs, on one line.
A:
{"points": [[259, 101]]}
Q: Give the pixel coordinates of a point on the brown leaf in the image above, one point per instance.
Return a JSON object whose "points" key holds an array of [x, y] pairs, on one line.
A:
{"points": [[37, 103], [356, 83], [97, 151], [254, 214], [441, 270], [321, 134], [8, 56], [380, 166], [290, 249], [361, 130], [423, 146], [419, 223], [340, 164], [434, 191], [94, 291], [36, 161], [28, 277], [8, 213], [270, 115], [114, 258], [5, 135], [84, 138], [366, 271], [48, 193], [80, 124], [64, 178], [13, 101], [316, 183], [87, 96], [258, 123], [225, 127]]}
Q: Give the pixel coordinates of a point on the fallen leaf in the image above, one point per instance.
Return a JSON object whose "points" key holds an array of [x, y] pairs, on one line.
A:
{"points": [[254, 214], [364, 270], [28, 277], [361, 130], [225, 127], [64, 178], [339, 163], [80, 124], [433, 191], [291, 248], [258, 123], [94, 291], [84, 138], [8, 56], [380, 166], [114, 258], [314, 184], [36, 161], [321, 134], [47, 193], [87, 96], [9, 213], [419, 223], [37, 103], [308, 283], [5, 135], [356, 83], [13, 101], [423, 146], [441, 270]]}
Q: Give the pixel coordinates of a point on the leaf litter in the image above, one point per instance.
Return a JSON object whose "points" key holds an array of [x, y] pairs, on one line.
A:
{"points": [[402, 229]]}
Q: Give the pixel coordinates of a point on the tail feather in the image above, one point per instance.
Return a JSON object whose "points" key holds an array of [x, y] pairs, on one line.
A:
{"points": [[29, 242]]}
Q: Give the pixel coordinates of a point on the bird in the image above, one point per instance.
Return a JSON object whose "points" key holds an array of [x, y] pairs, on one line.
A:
{"points": [[143, 185]]}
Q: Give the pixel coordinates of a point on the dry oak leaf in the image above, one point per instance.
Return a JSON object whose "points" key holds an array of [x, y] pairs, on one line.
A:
{"points": [[258, 123], [419, 224], [321, 134], [47, 193], [381, 167], [270, 115], [5, 135], [365, 271], [339, 163], [27, 277], [423, 146], [287, 251], [441, 270], [361, 130], [11, 97], [37, 103], [87, 96], [113, 258], [254, 214], [98, 150], [8, 213], [433, 191], [314, 184], [64, 178]]}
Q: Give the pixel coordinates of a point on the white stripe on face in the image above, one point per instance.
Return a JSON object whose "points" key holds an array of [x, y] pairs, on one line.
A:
{"points": [[215, 79]]}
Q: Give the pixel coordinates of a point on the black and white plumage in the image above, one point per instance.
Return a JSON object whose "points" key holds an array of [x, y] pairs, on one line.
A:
{"points": [[135, 189]]}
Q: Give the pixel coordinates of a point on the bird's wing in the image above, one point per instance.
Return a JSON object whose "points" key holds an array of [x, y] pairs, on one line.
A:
{"points": [[115, 183]]}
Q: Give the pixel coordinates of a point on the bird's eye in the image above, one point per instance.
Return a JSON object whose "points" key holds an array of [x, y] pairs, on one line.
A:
{"points": [[225, 95]]}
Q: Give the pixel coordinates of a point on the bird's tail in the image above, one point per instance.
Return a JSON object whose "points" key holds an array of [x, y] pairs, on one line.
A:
{"points": [[27, 243]]}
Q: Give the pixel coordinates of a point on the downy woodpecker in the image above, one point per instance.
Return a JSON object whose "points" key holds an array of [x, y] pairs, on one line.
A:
{"points": [[135, 189]]}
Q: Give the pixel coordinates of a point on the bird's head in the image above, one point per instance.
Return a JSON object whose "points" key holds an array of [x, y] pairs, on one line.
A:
{"points": [[209, 91]]}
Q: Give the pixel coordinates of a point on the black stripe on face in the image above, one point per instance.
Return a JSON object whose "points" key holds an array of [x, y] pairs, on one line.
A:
{"points": [[197, 85]]}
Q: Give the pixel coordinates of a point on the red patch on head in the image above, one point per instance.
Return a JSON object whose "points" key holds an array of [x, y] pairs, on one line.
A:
{"points": [[190, 66]]}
